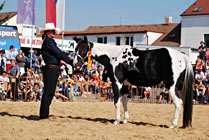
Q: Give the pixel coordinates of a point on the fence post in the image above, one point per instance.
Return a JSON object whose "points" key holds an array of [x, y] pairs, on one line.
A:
{"points": [[153, 94], [71, 87]]}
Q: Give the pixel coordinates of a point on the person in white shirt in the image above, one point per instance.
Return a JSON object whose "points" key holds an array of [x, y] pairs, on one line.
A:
{"points": [[199, 77], [9, 58]]}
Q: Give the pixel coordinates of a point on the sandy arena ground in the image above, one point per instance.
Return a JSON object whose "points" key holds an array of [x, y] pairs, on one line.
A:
{"points": [[94, 121]]}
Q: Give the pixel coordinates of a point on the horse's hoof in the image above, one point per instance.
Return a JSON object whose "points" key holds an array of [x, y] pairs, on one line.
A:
{"points": [[172, 126], [125, 121], [115, 122]]}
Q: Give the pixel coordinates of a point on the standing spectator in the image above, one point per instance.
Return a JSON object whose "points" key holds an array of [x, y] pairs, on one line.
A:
{"points": [[14, 71], [38, 62], [20, 58], [9, 58], [2, 62], [202, 51]]}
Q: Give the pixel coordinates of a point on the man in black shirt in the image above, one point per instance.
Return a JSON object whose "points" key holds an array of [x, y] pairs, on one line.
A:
{"points": [[51, 55], [202, 52]]}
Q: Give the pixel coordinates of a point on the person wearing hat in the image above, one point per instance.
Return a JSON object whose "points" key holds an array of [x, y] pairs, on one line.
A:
{"points": [[202, 51], [2, 62], [14, 72], [52, 56]]}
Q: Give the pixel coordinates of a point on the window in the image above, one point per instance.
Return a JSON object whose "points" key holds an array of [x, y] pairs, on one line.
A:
{"points": [[105, 40], [206, 39], [102, 40], [127, 40], [117, 40], [132, 41], [198, 9]]}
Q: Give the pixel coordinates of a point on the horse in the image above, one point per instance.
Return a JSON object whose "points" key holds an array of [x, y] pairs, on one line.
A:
{"points": [[126, 64]]}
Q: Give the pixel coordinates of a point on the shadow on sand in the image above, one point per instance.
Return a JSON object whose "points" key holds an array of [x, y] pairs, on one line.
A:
{"points": [[101, 120]]}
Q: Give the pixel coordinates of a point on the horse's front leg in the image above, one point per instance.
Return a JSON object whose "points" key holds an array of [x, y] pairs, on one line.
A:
{"points": [[117, 112], [125, 107], [116, 89]]}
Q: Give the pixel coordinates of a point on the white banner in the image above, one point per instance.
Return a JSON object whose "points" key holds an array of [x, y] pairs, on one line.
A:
{"points": [[68, 45]]}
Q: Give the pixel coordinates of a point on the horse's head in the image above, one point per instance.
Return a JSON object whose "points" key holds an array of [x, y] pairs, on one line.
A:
{"points": [[81, 51]]}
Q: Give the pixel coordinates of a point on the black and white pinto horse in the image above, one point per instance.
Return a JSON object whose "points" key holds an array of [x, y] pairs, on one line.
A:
{"points": [[143, 68]]}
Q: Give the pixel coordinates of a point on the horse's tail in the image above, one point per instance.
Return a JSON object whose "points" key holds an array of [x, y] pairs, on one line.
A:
{"points": [[188, 93]]}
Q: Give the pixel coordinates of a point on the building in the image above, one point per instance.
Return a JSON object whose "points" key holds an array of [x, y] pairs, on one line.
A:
{"points": [[167, 34], [195, 24]]}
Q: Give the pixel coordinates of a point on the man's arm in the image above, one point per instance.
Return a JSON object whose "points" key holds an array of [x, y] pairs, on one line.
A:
{"points": [[63, 56]]}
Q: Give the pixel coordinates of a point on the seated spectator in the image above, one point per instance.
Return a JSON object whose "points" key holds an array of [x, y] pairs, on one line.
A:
{"points": [[99, 72], [93, 66], [199, 77], [2, 62], [206, 81], [200, 91], [63, 69], [4, 85], [94, 83], [164, 94], [59, 95], [206, 95], [65, 88], [194, 88], [147, 92], [199, 64], [77, 71], [106, 88]]}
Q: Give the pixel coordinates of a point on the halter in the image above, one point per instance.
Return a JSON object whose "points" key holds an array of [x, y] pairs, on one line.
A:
{"points": [[83, 59]]}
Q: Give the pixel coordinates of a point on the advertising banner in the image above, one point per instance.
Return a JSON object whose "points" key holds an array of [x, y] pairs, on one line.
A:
{"points": [[9, 36]]}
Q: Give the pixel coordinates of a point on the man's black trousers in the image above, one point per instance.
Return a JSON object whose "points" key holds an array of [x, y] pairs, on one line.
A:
{"points": [[50, 75]]}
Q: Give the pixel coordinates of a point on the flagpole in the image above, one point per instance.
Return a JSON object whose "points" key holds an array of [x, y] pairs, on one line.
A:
{"points": [[31, 49], [63, 24], [62, 41]]}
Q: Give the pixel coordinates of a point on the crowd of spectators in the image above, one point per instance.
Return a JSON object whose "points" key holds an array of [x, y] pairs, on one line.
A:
{"points": [[21, 79], [201, 74]]}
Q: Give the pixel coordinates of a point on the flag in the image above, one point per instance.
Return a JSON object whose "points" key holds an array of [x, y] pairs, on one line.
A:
{"points": [[26, 12], [89, 61], [55, 13]]}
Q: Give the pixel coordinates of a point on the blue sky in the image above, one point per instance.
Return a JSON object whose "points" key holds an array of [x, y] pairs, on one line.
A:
{"points": [[83, 13]]}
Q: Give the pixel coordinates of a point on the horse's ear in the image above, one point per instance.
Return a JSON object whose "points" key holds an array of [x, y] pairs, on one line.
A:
{"points": [[91, 45], [76, 39], [85, 39]]}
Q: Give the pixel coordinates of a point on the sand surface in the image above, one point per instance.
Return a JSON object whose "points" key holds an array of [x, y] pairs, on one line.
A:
{"points": [[94, 121]]}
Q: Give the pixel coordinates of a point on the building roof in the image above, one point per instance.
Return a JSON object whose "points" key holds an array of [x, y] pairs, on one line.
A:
{"points": [[171, 32], [200, 7], [6, 16]]}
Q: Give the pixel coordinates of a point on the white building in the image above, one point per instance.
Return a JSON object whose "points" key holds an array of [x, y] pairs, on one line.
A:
{"points": [[167, 34], [195, 24]]}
